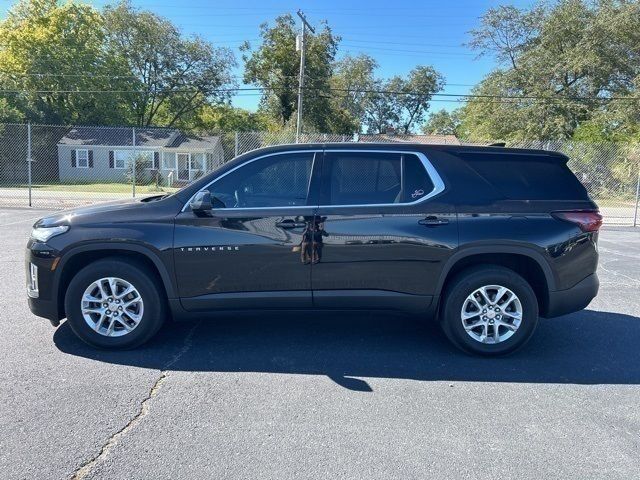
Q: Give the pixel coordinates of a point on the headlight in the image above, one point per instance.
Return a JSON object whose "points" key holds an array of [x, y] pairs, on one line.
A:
{"points": [[42, 234]]}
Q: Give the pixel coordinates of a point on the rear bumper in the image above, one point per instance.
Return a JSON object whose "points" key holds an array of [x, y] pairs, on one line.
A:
{"points": [[573, 299]]}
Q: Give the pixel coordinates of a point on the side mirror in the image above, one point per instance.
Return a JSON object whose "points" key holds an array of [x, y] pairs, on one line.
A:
{"points": [[201, 202], [217, 203]]}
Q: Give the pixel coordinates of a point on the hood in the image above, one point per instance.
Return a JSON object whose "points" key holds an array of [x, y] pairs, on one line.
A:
{"points": [[120, 209]]}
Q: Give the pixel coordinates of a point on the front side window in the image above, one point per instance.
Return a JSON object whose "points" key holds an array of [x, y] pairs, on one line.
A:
{"points": [[373, 178], [273, 181], [82, 158]]}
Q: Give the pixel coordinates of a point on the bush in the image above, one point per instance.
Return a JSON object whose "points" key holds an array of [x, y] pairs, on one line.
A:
{"points": [[137, 170]]}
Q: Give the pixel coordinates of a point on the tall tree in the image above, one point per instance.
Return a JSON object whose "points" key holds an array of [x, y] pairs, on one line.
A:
{"points": [[274, 65], [176, 75], [353, 78], [560, 64], [442, 122], [54, 65], [402, 102], [226, 118]]}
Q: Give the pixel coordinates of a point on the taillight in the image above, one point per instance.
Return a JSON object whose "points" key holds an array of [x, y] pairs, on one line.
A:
{"points": [[588, 221]]}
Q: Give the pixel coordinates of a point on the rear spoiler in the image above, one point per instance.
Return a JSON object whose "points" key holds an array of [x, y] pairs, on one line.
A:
{"points": [[502, 150]]}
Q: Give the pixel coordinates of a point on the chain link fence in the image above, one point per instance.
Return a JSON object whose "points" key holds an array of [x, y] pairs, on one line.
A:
{"points": [[53, 166]]}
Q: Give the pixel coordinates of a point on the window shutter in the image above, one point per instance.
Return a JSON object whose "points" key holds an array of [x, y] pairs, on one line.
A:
{"points": [[111, 159], [90, 158], [156, 160], [73, 158]]}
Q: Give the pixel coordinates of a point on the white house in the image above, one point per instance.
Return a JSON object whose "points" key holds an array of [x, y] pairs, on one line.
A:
{"points": [[102, 154]]}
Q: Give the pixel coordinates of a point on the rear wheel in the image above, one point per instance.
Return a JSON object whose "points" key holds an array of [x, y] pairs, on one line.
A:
{"points": [[489, 310], [114, 304]]}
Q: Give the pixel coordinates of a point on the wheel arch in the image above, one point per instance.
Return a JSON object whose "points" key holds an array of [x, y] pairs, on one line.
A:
{"points": [[77, 258], [528, 263]]}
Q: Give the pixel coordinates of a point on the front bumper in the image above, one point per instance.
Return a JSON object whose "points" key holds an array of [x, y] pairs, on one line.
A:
{"points": [[43, 301], [45, 308], [573, 299]]}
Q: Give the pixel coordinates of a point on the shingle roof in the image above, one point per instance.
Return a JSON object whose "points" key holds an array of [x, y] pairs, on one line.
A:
{"points": [[401, 138], [145, 137]]}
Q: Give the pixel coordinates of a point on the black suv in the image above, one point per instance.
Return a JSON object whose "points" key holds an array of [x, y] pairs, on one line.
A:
{"points": [[483, 238]]}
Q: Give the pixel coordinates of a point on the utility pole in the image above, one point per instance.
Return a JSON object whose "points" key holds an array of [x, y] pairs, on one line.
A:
{"points": [[301, 47]]}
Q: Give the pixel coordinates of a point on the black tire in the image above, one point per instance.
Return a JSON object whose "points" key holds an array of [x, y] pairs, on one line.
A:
{"points": [[138, 276], [463, 285]]}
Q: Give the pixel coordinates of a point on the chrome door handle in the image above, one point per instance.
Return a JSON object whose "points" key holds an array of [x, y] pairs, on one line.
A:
{"points": [[433, 221], [290, 224]]}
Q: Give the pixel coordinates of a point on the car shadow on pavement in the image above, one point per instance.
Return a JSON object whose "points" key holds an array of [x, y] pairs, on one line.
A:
{"points": [[588, 347]]}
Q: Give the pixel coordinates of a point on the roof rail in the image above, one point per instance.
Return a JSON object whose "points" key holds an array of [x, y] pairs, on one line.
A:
{"points": [[498, 144]]}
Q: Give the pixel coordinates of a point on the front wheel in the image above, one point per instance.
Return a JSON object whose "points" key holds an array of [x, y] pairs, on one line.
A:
{"points": [[114, 304], [489, 310]]}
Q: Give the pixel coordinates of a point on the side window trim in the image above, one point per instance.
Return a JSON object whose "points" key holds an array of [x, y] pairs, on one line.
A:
{"points": [[438, 183]]}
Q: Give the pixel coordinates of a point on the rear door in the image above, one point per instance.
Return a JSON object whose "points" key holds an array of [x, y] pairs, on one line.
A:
{"points": [[248, 249], [382, 233]]}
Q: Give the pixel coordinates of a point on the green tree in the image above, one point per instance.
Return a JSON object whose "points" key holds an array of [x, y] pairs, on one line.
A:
{"points": [[402, 102], [176, 75], [559, 65], [274, 65], [353, 78], [442, 122], [226, 118], [9, 113], [55, 67]]}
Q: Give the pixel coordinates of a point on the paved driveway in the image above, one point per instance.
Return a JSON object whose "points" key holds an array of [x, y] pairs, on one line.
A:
{"points": [[362, 396]]}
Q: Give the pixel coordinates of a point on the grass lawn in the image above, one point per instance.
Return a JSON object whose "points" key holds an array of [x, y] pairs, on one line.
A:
{"points": [[95, 188]]}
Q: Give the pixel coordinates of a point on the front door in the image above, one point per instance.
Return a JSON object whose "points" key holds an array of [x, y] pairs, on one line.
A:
{"points": [[250, 250], [184, 166], [383, 232]]}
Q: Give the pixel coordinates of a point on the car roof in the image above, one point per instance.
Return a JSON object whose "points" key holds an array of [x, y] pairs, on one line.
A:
{"points": [[420, 147]]}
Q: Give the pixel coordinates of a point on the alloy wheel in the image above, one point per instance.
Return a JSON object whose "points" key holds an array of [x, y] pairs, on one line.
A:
{"points": [[112, 306], [491, 314]]}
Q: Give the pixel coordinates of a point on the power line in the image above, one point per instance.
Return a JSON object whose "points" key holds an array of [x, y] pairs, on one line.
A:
{"points": [[401, 50], [89, 75], [452, 96]]}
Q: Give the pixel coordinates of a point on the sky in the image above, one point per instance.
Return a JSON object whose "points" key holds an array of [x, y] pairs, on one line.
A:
{"points": [[399, 34]]}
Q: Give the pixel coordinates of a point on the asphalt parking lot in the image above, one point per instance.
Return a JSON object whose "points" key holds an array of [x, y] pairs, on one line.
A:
{"points": [[360, 396]]}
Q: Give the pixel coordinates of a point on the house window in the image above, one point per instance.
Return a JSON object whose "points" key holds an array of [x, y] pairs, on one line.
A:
{"points": [[121, 158], [82, 158]]}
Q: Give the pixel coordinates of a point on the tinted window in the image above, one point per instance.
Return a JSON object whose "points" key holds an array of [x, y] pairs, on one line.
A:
{"points": [[416, 183], [527, 177], [375, 178], [275, 181]]}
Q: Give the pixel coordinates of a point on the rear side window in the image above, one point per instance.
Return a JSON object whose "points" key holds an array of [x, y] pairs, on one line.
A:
{"points": [[527, 177], [362, 178]]}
